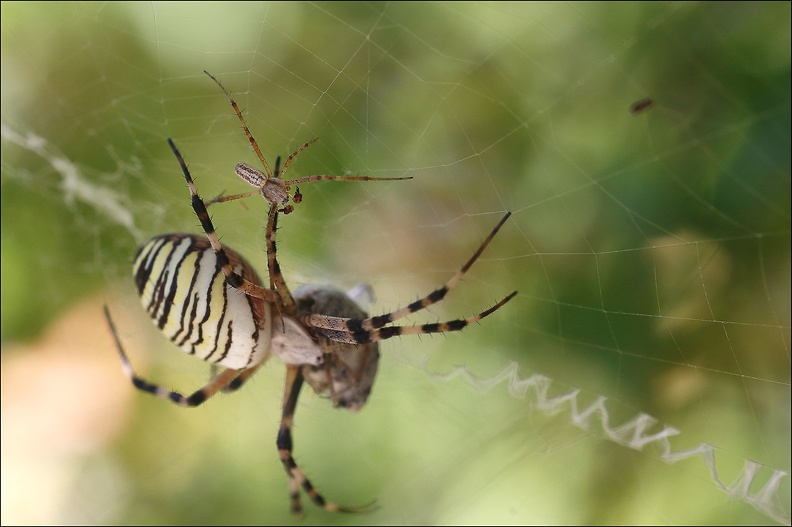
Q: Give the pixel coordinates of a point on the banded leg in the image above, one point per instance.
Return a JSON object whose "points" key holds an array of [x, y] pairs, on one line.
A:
{"points": [[232, 277], [297, 478], [277, 281], [227, 380], [253, 142], [243, 376], [375, 335], [357, 329]]}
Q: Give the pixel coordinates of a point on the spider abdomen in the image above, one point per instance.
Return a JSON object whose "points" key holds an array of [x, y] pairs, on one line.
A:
{"points": [[184, 291]]}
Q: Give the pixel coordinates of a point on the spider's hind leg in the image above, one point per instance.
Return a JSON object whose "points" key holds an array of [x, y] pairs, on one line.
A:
{"points": [[227, 380], [297, 478]]}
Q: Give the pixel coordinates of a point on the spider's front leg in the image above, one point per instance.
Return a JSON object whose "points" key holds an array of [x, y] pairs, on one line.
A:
{"points": [[233, 278]]}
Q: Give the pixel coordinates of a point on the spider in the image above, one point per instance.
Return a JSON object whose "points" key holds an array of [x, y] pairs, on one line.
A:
{"points": [[209, 301], [269, 184]]}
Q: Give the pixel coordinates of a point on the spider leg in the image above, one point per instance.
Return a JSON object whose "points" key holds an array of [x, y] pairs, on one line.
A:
{"points": [[232, 197], [374, 335], [279, 173], [227, 380], [232, 277], [277, 281], [253, 142], [308, 179], [237, 382], [365, 326], [323, 177], [297, 478]]}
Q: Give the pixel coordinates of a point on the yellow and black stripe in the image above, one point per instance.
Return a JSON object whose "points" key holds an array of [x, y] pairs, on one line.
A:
{"points": [[182, 287]]}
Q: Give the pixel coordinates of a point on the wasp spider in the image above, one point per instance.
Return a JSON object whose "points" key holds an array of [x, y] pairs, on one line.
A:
{"points": [[209, 301]]}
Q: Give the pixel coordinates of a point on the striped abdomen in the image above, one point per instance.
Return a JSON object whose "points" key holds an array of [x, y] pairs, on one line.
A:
{"points": [[184, 292]]}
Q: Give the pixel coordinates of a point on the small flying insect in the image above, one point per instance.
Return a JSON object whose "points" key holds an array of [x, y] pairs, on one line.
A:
{"points": [[641, 106]]}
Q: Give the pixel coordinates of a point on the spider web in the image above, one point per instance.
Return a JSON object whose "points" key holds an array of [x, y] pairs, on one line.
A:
{"points": [[642, 373]]}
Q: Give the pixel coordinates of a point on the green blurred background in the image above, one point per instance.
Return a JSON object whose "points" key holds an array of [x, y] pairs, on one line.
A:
{"points": [[651, 253]]}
